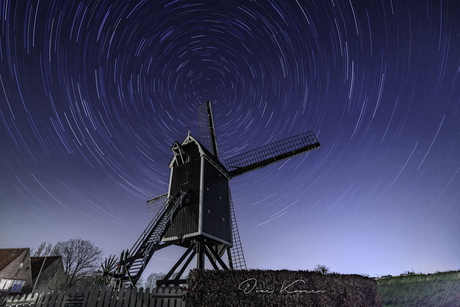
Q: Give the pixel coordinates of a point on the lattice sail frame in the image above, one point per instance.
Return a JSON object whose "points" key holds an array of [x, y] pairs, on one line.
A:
{"points": [[154, 204], [271, 153], [203, 127]]}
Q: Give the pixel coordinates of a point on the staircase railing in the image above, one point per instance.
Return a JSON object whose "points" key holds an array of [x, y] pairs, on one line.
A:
{"points": [[148, 230], [142, 249]]}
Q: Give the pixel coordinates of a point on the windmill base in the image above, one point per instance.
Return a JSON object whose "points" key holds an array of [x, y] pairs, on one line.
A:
{"points": [[199, 247]]}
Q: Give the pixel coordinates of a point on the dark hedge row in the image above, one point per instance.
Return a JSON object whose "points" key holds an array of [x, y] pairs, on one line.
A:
{"points": [[241, 288]]}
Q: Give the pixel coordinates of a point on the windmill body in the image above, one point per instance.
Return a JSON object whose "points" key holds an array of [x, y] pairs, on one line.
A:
{"points": [[196, 171], [197, 211]]}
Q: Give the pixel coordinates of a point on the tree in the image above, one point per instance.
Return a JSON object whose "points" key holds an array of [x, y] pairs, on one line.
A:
{"points": [[49, 251], [140, 283], [80, 259], [321, 269], [39, 250], [151, 281]]}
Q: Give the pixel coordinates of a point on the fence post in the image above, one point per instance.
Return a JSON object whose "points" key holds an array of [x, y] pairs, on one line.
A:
{"points": [[46, 299], [132, 299], [140, 295], [41, 298], [121, 296], [85, 294], [59, 298], [52, 299], [33, 298], [146, 298], [94, 293]]}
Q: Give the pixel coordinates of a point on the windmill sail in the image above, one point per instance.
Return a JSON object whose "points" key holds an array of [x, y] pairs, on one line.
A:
{"points": [[271, 153], [207, 132], [236, 256], [154, 204]]}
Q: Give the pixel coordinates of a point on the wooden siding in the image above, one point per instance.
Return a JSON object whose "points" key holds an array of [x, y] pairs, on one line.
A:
{"points": [[216, 206], [186, 220]]}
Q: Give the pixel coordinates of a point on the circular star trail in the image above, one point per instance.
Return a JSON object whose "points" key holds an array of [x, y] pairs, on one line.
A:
{"points": [[94, 94]]}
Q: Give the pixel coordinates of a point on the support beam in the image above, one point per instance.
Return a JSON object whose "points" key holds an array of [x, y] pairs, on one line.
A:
{"points": [[229, 258], [200, 248], [200, 254], [166, 280], [211, 259], [214, 254], [192, 255], [171, 272]]}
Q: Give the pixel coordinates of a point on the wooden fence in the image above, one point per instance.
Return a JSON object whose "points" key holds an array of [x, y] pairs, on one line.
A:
{"points": [[97, 296]]}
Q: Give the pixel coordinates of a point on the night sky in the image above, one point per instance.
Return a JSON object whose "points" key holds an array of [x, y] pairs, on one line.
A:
{"points": [[94, 94]]}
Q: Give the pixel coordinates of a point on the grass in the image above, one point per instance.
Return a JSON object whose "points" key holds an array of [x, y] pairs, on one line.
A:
{"points": [[440, 289]]}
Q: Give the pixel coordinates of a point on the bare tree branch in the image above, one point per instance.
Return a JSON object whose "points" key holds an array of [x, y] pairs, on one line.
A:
{"points": [[39, 250], [80, 259]]}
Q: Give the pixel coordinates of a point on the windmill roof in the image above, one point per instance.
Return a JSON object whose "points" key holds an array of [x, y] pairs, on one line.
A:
{"points": [[211, 156], [203, 149], [7, 255]]}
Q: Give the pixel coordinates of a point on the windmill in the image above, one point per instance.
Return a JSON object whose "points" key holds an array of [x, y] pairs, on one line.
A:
{"points": [[197, 211]]}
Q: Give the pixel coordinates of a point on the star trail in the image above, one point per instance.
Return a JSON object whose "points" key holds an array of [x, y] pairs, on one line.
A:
{"points": [[94, 94]]}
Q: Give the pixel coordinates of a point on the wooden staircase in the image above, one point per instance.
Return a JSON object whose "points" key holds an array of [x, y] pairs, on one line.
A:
{"points": [[140, 254]]}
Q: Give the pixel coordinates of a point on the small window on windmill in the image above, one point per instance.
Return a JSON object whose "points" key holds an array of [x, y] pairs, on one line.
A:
{"points": [[184, 174]]}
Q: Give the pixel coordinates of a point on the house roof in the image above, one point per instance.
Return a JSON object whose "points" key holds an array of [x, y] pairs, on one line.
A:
{"points": [[36, 263], [7, 255]]}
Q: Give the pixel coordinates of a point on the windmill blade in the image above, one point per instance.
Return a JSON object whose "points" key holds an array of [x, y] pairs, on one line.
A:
{"points": [[271, 153], [154, 204], [235, 253], [206, 128]]}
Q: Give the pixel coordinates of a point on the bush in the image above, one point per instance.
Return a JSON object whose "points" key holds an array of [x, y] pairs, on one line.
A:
{"points": [[280, 288]]}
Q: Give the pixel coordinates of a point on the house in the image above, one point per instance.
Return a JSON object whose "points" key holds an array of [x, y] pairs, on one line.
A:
{"points": [[15, 270], [51, 276], [19, 272]]}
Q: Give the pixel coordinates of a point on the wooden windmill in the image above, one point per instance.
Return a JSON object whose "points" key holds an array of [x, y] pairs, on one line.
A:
{"points": [[197, 212]]}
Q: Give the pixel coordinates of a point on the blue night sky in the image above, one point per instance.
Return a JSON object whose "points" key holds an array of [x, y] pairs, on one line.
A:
{"points": [[94, 93]]}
